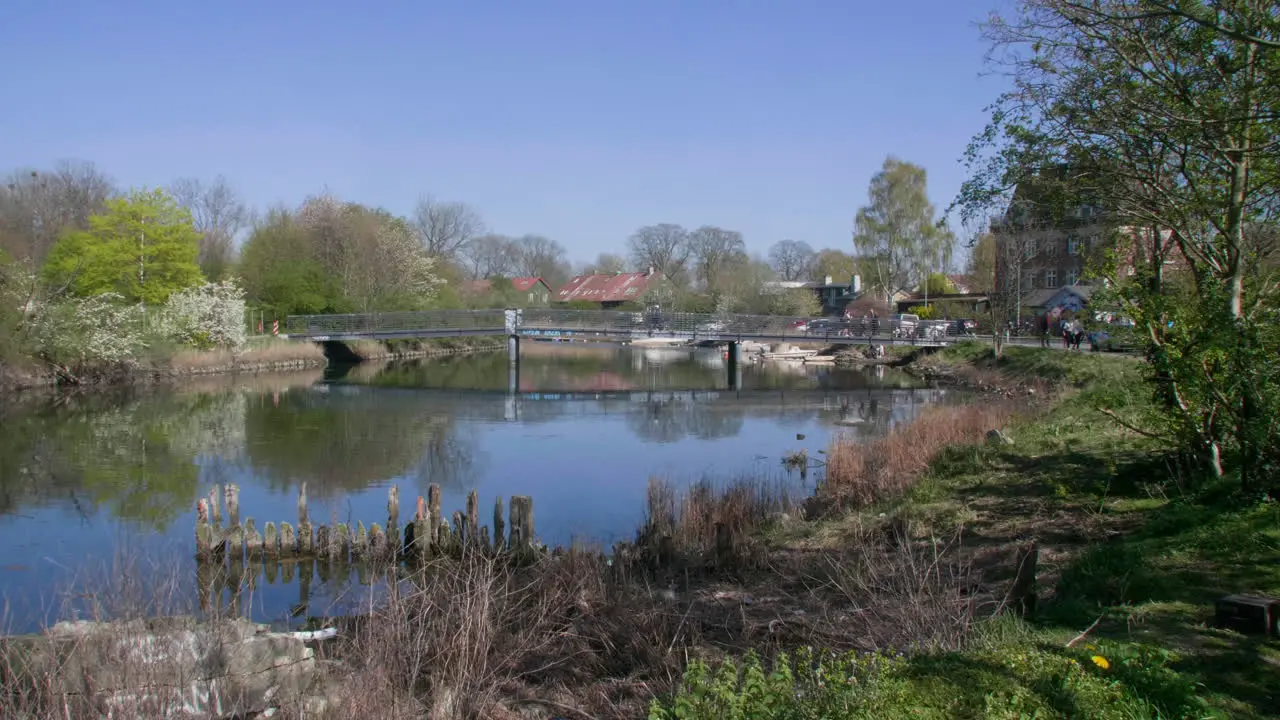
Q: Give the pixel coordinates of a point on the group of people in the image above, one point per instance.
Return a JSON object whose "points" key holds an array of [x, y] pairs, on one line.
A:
{"points": [[1071, 331]]}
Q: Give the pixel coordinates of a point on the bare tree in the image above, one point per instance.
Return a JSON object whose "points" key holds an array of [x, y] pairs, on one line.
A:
{"points": [[219, 215], [540, 256], [36, 208], [791, 259], [712, 249], [606, 264], [445, 227], [487, 256], [663, 247]]}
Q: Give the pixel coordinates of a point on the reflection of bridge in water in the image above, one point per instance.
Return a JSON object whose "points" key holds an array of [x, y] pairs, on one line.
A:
{"points": [[853, 407]]}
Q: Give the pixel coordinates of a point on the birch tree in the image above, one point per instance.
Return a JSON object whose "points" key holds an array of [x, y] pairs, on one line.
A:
{"points": [[896, 233]]}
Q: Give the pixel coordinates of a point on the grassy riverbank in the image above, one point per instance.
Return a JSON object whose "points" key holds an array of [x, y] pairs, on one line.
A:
{"points": [[896, 575]]}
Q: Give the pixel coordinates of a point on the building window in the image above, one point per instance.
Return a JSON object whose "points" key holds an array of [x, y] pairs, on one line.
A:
{"points": [[1051, 278], [1073, 245], [1030, 247], [1051, 249], [1094, 241], [1029, 281], [1072, 277]]}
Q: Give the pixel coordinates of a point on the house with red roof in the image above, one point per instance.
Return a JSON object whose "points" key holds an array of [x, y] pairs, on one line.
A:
{"points": [[533, 290], [607, 289]]}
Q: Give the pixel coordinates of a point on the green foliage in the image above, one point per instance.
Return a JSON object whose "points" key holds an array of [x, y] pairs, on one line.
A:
{"points": [[996, 681], [897, 231], [800, 302], [937, 284], [142, 247], [282, 273], [924, 312], [840, 266]]}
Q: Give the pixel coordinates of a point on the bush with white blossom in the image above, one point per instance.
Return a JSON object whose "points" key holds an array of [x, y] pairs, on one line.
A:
{"points": [[99, 328], [205, 317]]}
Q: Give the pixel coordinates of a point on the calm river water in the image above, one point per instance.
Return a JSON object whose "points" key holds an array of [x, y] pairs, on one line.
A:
{"points": [[98, 489]]}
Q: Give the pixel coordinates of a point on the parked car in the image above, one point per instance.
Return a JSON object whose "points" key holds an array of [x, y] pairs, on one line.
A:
{"points": [[798, 326], [828, 326]]}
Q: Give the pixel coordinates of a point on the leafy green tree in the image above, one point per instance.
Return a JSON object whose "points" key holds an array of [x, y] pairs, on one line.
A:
{"points": [[897, 232], [143, 247], [1163, 115], [840, 266], [282, 273], [936, 284], [982, 263]]}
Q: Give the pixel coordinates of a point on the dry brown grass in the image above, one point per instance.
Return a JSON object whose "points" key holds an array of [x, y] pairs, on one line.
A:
{"points": [[690, 518], [865, 473], [274, 352]]}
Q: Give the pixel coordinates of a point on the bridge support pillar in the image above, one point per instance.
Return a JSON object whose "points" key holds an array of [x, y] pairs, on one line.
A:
{"points": [[513, 364], [732, 365]]}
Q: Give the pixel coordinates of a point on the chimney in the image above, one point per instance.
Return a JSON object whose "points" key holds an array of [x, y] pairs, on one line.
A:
{"points": [[649, 272], [826, 280], [855, 285]]}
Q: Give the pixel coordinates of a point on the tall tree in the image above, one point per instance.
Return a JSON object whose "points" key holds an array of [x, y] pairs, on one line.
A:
{"points": [[38, 207], [218, 215], [834, 264], [791, 259], [488, 256], [282, 272], [607, 264], [541, 256], [143, 247], [663, 247], [713, 250], [981, 268], [1166, 114], [446, 227], [897, 233]]}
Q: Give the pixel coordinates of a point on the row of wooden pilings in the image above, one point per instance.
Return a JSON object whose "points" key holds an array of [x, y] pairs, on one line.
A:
{"points": [[426, 535]]}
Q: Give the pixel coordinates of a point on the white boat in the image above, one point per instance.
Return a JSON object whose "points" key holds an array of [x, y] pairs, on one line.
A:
{"points": [[790, 355]]}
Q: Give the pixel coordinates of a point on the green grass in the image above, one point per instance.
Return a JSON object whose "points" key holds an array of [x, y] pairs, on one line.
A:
{"points": [[1130, 543]]}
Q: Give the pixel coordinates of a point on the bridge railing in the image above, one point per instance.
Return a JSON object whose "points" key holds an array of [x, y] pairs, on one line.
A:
{"points": [[428, 321]]}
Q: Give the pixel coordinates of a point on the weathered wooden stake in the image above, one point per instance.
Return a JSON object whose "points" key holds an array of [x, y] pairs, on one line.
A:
{"points": [[233, 505], [322, 542], [459, 528], [287, 571], [437, 522], [252, 540], [499, 527], [410, 549], [204, 532], [393, 506], [271, 570], [521, 512], [288, 541], [305, 542], [215, 505], [422, 529], [377, 541], [235, 542], [361, 543], [341, 542], [473, 517], [270, 540]]}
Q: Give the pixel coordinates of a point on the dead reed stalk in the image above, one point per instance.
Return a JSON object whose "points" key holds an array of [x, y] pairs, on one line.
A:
{"points": [[862, 473]]}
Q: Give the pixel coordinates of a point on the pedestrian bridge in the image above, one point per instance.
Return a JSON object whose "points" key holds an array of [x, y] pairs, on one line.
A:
{"points": [[613, 325]]}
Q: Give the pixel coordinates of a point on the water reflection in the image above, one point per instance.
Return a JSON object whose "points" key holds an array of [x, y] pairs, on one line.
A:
{"points": [[582, 434]]}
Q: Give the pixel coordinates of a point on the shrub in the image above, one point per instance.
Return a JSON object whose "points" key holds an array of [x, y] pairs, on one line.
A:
{"points": [[79, 331], [206, 317]]}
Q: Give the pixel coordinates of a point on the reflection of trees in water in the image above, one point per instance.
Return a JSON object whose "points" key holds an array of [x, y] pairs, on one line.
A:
{"points": [[350, 438], [665, 422], [134, 456]]}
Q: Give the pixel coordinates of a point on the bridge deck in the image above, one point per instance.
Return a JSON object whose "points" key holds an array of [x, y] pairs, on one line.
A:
{"points": [[615, 325]]}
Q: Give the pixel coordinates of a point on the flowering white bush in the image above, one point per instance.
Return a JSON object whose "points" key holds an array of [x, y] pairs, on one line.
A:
{"points": [[208, 316], [100, 328]]}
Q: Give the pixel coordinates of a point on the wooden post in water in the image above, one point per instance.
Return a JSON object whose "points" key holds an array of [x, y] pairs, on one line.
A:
{"points": [[422, 529], [459, 530], [288, 541], [270, 541], [499, 527], [304, 523], [322, 543], [215, 505], [473, 518], [377, 542], [204, 531], [360, 546], [521, 512], [437, 523], [252, 540], [233, 505], [393, 505]]}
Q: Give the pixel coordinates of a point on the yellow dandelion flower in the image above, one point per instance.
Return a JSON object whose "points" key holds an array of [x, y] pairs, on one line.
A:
{"points": [[1101, 662]]}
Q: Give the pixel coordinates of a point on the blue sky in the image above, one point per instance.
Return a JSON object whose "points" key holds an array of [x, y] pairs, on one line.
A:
{"points": [[578, 120]]}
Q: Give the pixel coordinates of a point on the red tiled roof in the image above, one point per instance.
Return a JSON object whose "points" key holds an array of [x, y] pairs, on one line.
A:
{"points": [[521, 284], [606, 288], [524, 283]]}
